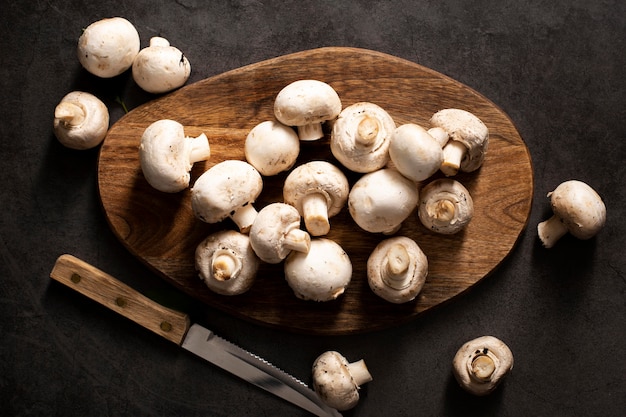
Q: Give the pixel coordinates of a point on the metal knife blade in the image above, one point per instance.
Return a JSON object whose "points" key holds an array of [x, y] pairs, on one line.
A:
{"points": [[175, 326]]}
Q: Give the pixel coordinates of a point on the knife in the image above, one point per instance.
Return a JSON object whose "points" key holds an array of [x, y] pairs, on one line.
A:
{"points": [[175, 327]]}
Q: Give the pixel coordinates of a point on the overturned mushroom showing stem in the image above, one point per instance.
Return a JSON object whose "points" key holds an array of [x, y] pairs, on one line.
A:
{"points": [[321, 274], [415, 152], [397, 269], [578, 209], [166, 155], [445, 206], [337, 381], [160, 67], [276, 232], [227, 190], [307, 104], [360, 137], [319, 190], [480, 364], [226, 262], [272, 147], [81, 120], [468, 143]]}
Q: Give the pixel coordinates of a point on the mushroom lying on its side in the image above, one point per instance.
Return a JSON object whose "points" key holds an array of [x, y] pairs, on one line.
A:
{"points": [[415, 152], [271, 147], [160, 67], [81, 120], [445, 206]]}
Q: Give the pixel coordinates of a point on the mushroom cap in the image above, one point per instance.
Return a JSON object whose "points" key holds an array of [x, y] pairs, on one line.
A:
{"points": [[468, 129], [413, 278], [160, 67], [107, 48], [579, 207], [465, 368], [360, 137], [333, 382], [272, 147], [224, 188], [381, 200], [236, 244], [322, 274], [414, 152], [85, 130], [445, 206], [304, 102]]}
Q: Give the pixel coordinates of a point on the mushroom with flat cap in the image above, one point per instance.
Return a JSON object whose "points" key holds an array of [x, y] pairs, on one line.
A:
{"points": [[415, 152], [160, 67], [445, 206], [81, 120], [272, 147]]}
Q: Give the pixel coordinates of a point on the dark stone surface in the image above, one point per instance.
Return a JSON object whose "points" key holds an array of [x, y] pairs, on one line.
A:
{"points": [[557, 68]]}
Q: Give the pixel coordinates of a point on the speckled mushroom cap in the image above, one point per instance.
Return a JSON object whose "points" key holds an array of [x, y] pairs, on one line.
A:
{"points": [[445, 206], [160, 67], [579, 207], [81, 120]]}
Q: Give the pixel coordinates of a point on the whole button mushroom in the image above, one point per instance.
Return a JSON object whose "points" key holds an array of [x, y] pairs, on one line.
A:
{"points": [[166, 155], [445, 206], [307, 104], [397, 269], [381, 200], [272, 147], [107, 48], [414, 152], [480, 364], [228, 189], [468, 142], [276, 232], [81, 120], [226, 262], [321, 274], [319, 190], [578, 209], [360, 137], [337, 381], [160, 67]]}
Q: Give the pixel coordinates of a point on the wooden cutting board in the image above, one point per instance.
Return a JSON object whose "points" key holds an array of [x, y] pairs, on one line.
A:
{"points": [[161, 231]]}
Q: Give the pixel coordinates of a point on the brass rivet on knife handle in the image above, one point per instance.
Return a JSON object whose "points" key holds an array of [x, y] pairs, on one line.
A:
{"points": [[111, 293]]}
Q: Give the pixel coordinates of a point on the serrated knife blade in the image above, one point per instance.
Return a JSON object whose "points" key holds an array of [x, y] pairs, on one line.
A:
{"points": [[175, 326]]}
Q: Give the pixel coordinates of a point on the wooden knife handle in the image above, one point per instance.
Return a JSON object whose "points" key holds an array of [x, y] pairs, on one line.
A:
{"points": [[111, 293]]}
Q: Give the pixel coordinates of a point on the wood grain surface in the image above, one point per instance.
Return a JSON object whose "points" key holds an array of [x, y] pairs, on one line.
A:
{"points": [[161, 231]]}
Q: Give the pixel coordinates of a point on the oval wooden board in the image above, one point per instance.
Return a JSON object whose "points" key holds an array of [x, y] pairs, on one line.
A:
{"points": [[161, 231]]}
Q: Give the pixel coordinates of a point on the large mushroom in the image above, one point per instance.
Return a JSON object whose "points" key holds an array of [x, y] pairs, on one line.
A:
{"points": [[81, 120], [272, 147], [160, 67], [445, 206], [415, 152]]}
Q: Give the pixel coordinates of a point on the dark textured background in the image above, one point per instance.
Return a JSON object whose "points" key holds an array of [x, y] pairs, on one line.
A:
{"points": [[556, 67]]}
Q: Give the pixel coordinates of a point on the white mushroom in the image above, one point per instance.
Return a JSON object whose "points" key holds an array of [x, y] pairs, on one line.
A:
{"points": [[166, 155], [319, 190], [226, 262], [480, 364], [381, 200], [445, 206], [578, 209], [276, 232], [228, 189], [81, 120], [360, 137], [321, 274], [107, 48], [306, 104], [160, 67], [414, 152], [469, 140], [337, 381], [272, 147], [397, 269]]}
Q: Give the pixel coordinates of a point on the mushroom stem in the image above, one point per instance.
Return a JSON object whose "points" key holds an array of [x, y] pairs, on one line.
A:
{"points": [[440, 135], [443, 210], [310, 132], [244, 217], [367, 131], [453, 153], [71, 114], [200, 149], [226, 264], [315, 213], [396, 266], [551, 230], [360, 373], [298, 240], [482, 367]]}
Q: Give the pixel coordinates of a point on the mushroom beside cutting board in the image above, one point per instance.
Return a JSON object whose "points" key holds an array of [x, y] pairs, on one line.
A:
{"points": [[160, 67], [81, 120]]}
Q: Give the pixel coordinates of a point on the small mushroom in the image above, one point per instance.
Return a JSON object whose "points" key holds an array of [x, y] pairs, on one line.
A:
{"points": [[468, 143], [81, 120], [307, 104], [321, 274], [276, 232], [381, 200], [397, 269], [107, 48], [337, 381], [160, 67], [578, 209], [272, 147], [226, 262], [166, 155], [414, 152], [319, 190], [360, 137], [445, 206], [480, 364], [228, 189]]}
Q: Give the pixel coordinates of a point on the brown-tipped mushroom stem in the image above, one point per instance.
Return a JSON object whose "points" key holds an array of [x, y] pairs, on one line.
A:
{"points": [[367, 131], [226, 264], [315, 213], [71, 114], [244, 217], [397, 264], [482, 367], [443, 210], [297, 240], [453, 153]]}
